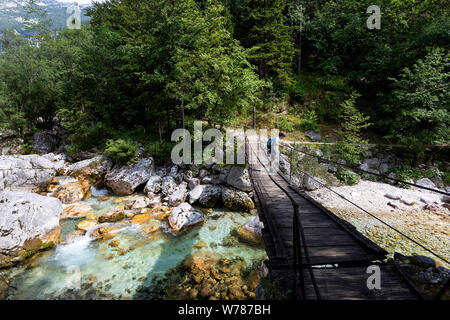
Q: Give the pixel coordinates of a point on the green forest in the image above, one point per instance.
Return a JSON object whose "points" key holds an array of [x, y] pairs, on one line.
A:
{"points": [[142, 68]]}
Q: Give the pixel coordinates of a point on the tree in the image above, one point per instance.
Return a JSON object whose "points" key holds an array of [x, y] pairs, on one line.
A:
{"points": [[350, 145], [262, 26], [420, 104]]}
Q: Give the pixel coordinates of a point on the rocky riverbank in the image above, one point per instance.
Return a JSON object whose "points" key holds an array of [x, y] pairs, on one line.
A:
{"points": [[142, 214]]}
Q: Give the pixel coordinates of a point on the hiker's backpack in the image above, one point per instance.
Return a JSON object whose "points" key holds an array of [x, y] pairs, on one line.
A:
{"points": [[269, 145]]}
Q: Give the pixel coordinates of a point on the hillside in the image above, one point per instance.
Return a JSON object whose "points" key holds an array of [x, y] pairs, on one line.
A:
{"points": [[12, 14]]}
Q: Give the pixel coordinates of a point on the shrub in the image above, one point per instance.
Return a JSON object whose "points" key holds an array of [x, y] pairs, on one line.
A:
{"points": [[347, 177], [310, 121], [121, 150], [161, 151]]}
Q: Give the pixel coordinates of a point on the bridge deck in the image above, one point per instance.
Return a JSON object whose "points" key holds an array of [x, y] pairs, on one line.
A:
{"points": [[327, 239]]}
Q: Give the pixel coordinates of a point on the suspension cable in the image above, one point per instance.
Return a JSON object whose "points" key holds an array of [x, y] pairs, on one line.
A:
{"points": [[365, 171], [372, 215]]}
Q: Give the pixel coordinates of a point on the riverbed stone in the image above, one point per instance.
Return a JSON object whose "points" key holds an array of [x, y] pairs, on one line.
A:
{"points": [[179, 196], [210, 196], [95, 167], [137, 203], [239, 178], [179, 216], [76, 211], [168, 185], [153, 184], [73, 192], [310, 183], [425, 182], [237, 200], [124, 179], [113, 215], [251, 232], [28, 223], [28, 173]]}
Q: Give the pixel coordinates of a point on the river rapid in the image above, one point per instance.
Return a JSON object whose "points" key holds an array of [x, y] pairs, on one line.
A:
{"points": [[118, 268]]}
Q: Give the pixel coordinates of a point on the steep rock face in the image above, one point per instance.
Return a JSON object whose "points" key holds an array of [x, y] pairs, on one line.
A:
{"points": [[239, 178], [29, 173], [28, 223], [124, 179]]}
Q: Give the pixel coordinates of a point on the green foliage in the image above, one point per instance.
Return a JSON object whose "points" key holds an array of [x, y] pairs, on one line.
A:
{"points": [[310, 121], [121, 150], [347, 177], [161, 151], [406, 173], [421, 102], [350, 145], [284, 124]]}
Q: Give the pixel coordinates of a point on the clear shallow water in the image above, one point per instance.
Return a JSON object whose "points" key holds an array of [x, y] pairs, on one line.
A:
{"points": [[118, 271]]}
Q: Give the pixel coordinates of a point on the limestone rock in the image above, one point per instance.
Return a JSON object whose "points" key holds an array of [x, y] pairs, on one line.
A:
{"points": [[237, 200], [113, 215], [210, 196], [77, 211], [29, 173], [72, 192], [239, 178], [183, 216], [310, 183], [97, 166], [168, 185], [124, 179], [313, 135], [153, 184], [28, 223]]}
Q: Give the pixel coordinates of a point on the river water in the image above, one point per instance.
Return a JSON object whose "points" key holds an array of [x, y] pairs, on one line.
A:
{"points": [[95, 269]]}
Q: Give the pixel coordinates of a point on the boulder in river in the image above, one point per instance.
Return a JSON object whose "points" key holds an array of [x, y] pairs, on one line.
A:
{"points": [[239, 178], [28, 223], [124, 179], [113, 215], [29, 173], [237, 200], [179, 196], [168, 185], [183, 216], [153, 184], [77, 211], [94, 167], [251, 232], [210, 196], [73, 192]]}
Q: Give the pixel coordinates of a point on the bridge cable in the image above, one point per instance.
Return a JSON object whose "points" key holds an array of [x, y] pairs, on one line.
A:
{"points": [[385, 223], [365, 171], [316, 289]]}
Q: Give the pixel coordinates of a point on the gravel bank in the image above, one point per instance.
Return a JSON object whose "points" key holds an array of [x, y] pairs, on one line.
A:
{"points": [[430, 227]]}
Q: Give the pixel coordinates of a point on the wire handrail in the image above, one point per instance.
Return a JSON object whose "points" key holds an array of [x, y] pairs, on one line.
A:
{"points": [[369, 172], [372, 215]]}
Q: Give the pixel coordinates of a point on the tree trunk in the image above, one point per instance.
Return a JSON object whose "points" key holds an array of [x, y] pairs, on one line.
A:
{"points": [[299, 62], [254, 116], [182, 112]]}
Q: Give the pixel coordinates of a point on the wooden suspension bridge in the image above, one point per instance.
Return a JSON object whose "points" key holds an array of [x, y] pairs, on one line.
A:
{"points": [[317, 255]]}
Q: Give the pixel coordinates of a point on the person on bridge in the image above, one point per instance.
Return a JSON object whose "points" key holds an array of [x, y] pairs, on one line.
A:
{"points": [[272, 148]]}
